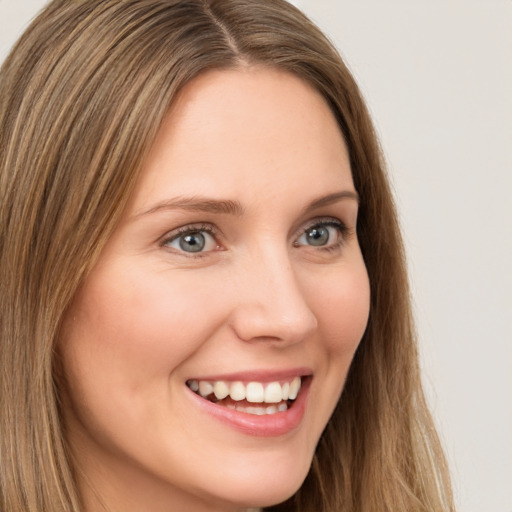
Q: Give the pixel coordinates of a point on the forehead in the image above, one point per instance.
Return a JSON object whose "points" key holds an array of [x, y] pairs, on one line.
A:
{"points": [[246, 131]]}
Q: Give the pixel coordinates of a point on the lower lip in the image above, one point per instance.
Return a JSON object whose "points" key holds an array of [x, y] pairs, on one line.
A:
{"points": [[268, 425]]}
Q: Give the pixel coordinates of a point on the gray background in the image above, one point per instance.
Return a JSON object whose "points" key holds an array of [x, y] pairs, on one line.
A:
{"points": [[438, 79]]}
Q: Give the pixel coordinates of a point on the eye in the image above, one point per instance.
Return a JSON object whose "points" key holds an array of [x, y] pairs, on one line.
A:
{"points": [[322, 234], [192, 241]]}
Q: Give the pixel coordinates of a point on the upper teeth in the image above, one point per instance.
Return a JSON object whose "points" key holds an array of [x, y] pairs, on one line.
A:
{"points": [[256, 392]]}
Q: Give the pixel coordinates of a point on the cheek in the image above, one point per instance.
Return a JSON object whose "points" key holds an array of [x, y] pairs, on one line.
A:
{"points": [[128, 330], [342, 308]]}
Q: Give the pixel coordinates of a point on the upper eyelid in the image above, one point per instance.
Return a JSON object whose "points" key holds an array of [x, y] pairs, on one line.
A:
{"points": [[317, 222], [189, 228], [324, 220]]}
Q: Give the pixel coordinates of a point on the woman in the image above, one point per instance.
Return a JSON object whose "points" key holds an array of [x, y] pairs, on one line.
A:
{"points": [[204, 297]]}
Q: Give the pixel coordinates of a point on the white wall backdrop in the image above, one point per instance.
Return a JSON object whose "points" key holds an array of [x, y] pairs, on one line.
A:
{"points": [[438, 79]]}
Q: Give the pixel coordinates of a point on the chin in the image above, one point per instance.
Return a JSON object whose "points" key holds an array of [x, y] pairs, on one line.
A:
{"points": [[263, 485]]}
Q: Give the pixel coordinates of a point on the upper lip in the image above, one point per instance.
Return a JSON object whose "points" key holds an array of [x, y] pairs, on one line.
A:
{"points": [[258, 375]]}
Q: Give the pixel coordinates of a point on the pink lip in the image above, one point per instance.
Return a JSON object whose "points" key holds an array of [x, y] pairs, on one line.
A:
{"points": [[269, 425], [258, 375]]}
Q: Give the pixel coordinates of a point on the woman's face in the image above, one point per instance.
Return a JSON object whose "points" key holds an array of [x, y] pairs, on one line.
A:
{"points": [[235, 271]]}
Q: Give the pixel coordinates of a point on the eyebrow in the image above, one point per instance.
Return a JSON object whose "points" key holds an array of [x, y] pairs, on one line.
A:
{"points": [[198, 204], [332, 198], [234, 207]]}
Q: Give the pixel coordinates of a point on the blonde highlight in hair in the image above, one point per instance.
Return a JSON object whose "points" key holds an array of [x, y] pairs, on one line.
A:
{"points": [[83, 94]]}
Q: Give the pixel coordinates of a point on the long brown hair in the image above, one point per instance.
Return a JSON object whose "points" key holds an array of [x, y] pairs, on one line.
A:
{"points": [[82, 96]]}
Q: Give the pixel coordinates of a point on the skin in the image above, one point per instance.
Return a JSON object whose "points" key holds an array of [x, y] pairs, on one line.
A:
{"points": [[259, 297]]}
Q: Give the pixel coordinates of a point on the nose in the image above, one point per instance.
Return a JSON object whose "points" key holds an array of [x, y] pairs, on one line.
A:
{"points": [[271, 304]]}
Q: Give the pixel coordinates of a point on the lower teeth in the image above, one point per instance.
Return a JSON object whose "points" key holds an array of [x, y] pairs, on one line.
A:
{"points": [[259, 411], [248, 407]]}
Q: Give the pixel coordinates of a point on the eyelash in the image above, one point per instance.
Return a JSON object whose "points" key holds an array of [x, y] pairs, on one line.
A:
{"points": [[327, 222], [187, 230], [215, 233]]}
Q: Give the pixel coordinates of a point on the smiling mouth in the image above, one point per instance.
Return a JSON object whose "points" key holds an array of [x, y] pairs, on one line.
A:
{"points": [[257, 398]]}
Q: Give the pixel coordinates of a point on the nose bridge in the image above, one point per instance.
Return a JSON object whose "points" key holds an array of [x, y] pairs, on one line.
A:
{"points": [[272, 304]]}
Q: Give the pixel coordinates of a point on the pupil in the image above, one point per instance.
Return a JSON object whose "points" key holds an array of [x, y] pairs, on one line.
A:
{"points": [[318, 236], [193, 242]]}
